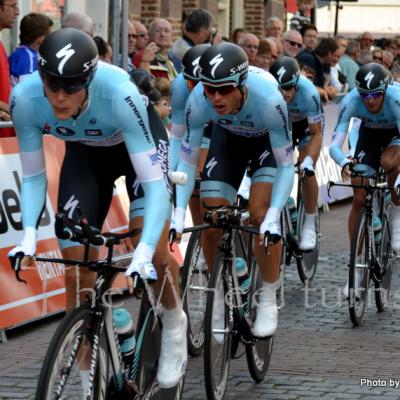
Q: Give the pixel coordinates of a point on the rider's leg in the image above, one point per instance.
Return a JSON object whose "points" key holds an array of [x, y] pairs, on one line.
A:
{"points": [[267, 311], [390, 161], [356, 205], [173, 356]]}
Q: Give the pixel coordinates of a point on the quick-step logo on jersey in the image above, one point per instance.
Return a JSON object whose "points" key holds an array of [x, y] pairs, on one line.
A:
{"points": [[210, 166], [65, 131]]}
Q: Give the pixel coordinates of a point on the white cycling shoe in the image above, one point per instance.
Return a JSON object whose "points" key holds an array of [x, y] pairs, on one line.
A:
{"points": [[266, 321], [308, 238], [395, 224], [173, 356], [218, 318]]}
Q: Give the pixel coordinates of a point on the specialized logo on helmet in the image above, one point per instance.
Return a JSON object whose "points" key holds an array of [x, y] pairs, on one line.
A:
{"points": [[216, 61], [280, 73], [195, 65], [65, 54], [369, 78]]}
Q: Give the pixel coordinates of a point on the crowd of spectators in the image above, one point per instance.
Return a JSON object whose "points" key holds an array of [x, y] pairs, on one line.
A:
{"points": [[331, 63]]}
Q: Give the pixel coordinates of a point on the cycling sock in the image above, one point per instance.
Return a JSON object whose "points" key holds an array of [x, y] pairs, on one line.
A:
{"points": [[309, 220], [268, 293], [171, 317], [85, 379]]}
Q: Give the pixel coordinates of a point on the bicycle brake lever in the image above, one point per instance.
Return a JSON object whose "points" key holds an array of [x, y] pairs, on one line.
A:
{"points": [[171, 239], [16, 265]]}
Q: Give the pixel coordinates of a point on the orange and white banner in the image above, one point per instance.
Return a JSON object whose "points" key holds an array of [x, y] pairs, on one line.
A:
{"points": [[45, 292]]}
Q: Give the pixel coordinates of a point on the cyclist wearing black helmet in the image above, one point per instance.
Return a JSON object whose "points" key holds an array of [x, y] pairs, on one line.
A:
{"points": [[377, 105], [306, 116], [250, 123], [102, 117]]}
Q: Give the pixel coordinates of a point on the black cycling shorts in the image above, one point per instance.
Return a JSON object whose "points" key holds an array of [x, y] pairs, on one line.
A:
{"points": [[372, 142], [229, 156]]}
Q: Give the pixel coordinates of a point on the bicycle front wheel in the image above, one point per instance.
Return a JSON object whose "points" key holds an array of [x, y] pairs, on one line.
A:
{"points": [[386, 257], [259, 352], [359, 269], [194, 281], [218, 325], [76, 346], [307, 263]]}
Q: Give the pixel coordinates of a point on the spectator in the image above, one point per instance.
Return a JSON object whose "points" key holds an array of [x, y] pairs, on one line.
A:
{"points": [[366, 42], [142, 36], [274, 27], [303, 14], [342, 43], [163, 106], [249, 43], [104, 49], [236, 35], [274, 48], [79, 21], [377, 55], [337, 79], [292, 43], [146, 55], [33, 29], [198, 29], [8, 12], [160, 32], [387, 59], [278, 45], [348, 63], [264, 55], [320, 60], [310, 37]]}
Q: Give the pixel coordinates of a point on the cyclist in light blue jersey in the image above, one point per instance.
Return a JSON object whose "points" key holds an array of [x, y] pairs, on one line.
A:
{"points": [[306, 117], [250, 124], [377, 105], [102, 117]]}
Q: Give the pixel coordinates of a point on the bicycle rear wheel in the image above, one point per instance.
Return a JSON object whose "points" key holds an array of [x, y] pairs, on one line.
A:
{"points": [[308, 261], [217, 330], [385, 256], [76, 345], [359, 269], [194, 281], [259, 352]]}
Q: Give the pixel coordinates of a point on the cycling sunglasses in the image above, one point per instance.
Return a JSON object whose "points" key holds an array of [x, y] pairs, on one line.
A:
{"points": [[290, 86], [69, 85], [374, 95], [222, 90]]}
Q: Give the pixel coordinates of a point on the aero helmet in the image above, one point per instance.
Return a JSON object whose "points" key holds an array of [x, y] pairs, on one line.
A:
{"points": [[224, 64], [66, 57], [190, 61], [286, 71], [372, 77]]}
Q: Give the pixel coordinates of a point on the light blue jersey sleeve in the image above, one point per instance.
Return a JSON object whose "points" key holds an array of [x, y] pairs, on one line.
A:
{"points": [[346, 112], [277, 121], [311, 101], [129, 113], [179, 96], [30, 137], [195, 119]]}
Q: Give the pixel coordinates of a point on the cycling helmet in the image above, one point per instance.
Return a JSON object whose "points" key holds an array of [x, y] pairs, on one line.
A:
{"points": [[286, 71], [224, 64], [68, 55], [190, 61], [372, 77]]}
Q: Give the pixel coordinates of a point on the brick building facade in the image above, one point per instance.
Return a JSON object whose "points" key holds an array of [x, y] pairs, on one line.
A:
{"points": [[254, 12]]}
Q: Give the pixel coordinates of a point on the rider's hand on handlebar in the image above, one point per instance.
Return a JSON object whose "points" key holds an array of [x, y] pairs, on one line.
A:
{"points": [[346, 169], [270, 230], [143, 267], [178, 224], [307, 166], [27, 248]]}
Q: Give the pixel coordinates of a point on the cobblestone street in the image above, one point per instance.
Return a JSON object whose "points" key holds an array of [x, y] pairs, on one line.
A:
{"points": [[317, 353]]}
